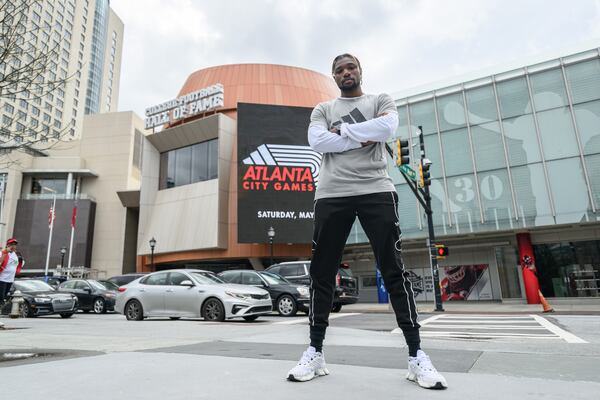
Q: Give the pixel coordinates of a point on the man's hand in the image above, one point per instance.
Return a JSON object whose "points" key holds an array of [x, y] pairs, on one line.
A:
{"points": [[335, 129]]}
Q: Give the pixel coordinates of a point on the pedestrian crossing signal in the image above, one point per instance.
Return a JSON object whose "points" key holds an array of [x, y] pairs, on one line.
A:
{"points": [[441, 251]]}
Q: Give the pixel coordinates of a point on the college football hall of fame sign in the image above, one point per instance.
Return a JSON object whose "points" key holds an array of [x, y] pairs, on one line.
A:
{"points": [[277, 173]]}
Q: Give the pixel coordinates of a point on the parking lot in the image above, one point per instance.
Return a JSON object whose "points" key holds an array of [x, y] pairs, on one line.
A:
{"points": [[160, 358]]}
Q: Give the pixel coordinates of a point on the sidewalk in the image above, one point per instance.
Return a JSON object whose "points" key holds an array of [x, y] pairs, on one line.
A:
{"points": [[485, 307]]}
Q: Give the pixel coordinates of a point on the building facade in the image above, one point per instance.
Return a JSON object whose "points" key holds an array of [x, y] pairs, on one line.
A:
{"points": [[84, 41], [515, 174], [189, 192]]}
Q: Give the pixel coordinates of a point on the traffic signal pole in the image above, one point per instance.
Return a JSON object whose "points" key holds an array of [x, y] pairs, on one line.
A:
{"points": [[435, 273]]}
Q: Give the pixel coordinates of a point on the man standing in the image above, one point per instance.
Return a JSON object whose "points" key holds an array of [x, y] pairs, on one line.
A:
{"points": [[351, 132], [10, 265]]}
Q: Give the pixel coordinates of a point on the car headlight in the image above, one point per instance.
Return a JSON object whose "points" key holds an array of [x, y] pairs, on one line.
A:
{"points": [[241, 296], [109, 295], [302, 290], [42, 299]]}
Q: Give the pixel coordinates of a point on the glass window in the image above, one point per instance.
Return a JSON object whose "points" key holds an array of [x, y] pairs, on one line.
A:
{"points": [[156, 279], [521, 140], [584, 80], [175, 278], [592, 164], [557, 133], [588, 123], [513, 97], [422, 113], [508, 271], [489, 150], [402, 130], [199, 162], [569, 269], [183, 166], [213, 159], [548, 90], [81, 285], [232, 276], [50, 185], [533, 204], [291, 270], [463, 203], [451, 111], [456, 147], [251, 278], [407, 214], [496, 198], [566, 178], [432, 152], [482, 105]]}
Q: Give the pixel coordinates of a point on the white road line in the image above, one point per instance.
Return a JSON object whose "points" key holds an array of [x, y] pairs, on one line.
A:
{"points": [[486, 334], [474, 326], [488, 321], [422, 323], [305, 320], [485, 316], [567, 336]]}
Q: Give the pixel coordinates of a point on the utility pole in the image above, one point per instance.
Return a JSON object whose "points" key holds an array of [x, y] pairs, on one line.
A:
{"points": [[431, 245], [420, 187]]}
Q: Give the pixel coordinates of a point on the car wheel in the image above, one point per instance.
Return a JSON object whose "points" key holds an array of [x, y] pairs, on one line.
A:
{"points": [[213, 310], [66, 315], [134, 311], [25, 310], [99, 306], [336, 308], [251, 318], [286, 306], [174, 318]]}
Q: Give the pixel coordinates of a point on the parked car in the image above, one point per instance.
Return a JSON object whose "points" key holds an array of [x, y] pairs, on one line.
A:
{"points": [[346, 286], [121, 280], [110, 285], [190, 293], [288, 298], [41, 299], [53, 281], [91, 294]]}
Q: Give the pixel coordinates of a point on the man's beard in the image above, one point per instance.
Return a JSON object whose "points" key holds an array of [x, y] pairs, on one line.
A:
{"points": [[347, 88]]}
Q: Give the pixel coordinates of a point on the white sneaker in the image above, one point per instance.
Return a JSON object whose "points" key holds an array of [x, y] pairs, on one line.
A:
{"points": [[422, 371], [311, 364]]}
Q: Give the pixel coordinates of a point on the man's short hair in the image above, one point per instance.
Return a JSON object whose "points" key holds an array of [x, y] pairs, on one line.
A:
{"points": [[342, 56]]}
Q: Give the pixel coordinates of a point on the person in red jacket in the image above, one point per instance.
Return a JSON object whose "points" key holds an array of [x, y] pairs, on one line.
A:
{"points": [[10, 265]]}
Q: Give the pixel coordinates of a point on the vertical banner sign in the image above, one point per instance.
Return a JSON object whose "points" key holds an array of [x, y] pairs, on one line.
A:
{"points": [[277, 174]]}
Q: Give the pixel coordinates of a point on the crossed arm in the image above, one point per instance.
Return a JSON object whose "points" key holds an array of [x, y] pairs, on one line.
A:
{"points": [[352, 136]]}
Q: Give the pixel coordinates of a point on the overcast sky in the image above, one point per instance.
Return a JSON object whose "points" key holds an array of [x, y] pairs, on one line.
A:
{"points": [[401, 44]]}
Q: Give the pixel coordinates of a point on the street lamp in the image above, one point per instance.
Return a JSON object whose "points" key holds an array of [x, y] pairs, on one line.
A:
{"points": [[63, 251], [152, 243], [271, 235]]}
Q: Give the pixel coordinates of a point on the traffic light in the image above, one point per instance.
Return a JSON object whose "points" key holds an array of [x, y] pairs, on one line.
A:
{"points": [[402, 152], [424, 174], [441, 251]]}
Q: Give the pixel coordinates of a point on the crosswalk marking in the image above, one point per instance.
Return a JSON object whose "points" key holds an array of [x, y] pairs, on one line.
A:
{"points": [[486, 327], [305, 320]]}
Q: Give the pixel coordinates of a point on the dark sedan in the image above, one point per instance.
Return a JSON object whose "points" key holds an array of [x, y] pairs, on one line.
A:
{"points": [[92, 295], [39, 298], [288, 298]]}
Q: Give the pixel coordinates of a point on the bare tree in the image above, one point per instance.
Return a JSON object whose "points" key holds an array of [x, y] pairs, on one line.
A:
{"points": [[29, 73]]}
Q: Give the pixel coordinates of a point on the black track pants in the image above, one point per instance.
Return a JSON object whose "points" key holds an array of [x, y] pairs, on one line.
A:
{"points": [[333, 219]]}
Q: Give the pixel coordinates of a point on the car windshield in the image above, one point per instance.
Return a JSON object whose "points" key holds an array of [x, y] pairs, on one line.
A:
{"points": [[33, 286], [274, 279], [207, 278], [110, 285], [99, 285], [345, 272]]}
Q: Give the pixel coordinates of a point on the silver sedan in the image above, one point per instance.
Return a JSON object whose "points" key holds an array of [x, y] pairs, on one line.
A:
{"points": [[190, 293]]}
